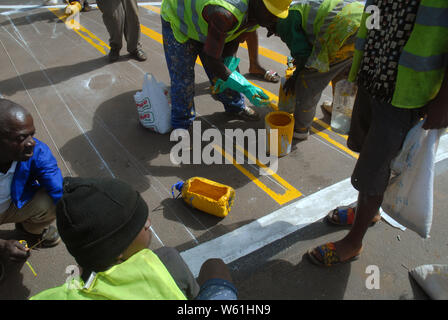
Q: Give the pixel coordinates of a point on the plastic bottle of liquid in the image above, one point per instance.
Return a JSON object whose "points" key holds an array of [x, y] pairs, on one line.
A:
{"points": [[343, 101]]}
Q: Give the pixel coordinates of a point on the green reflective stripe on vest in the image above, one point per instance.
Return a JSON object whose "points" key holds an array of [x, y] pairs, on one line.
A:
{"points": [[432, 16], [181, 14], [185, 17], [424, 59], [195, 19], [240, 5], [317, 14], [360, 43], [310, 18], [359, 47], [328, 24], [436, 3], [141, 277], [325, 15], [421, 64]]}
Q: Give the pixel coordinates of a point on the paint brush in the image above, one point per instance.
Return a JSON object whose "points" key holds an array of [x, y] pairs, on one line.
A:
{"points": [[45, 236], [25, 244]]}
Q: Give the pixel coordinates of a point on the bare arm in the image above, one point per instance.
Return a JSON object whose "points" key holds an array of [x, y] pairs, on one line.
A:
{"points": [[220, 22], [437, 109]]}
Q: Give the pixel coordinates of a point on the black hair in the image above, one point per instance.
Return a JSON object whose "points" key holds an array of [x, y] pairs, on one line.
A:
{"points": [[7, 109]]}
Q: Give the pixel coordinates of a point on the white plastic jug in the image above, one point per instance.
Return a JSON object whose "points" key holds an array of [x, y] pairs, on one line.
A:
{"points": [[343, 101]]}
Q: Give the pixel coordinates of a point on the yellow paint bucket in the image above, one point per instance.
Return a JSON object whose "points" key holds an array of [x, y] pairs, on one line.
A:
{"points": [[284, 123]]}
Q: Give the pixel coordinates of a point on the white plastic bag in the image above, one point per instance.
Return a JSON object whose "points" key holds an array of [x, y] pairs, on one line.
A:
{"points": [[433, 278], [154, 105], [409, 196]]}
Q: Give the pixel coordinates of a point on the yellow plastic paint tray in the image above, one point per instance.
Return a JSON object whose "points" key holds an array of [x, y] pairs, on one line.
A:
{"points": [[206, 195]]}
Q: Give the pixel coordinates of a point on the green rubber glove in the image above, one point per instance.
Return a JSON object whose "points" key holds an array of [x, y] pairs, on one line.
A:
{"points": [[238, 83], [231, 62]]}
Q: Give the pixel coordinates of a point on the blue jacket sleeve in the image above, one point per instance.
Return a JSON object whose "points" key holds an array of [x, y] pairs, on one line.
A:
{"points": [[48, 174]]}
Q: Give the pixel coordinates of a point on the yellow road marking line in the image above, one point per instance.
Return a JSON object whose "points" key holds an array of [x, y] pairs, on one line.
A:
{"points": [[290, 192], [335, 143], [88, 36], [152, 8], [277, 57], [328, 127]]}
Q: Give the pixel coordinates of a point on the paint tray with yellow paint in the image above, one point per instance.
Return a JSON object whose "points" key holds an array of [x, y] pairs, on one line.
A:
{"points": [[206, 195]]}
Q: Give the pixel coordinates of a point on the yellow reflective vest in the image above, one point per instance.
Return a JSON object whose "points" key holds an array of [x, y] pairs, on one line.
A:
{"points": [[141, 277], [328, 24], [424, 60], [187, 22]]}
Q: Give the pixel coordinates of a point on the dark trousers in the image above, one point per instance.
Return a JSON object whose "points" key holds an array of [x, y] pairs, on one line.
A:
{"points": [[121, 18]]}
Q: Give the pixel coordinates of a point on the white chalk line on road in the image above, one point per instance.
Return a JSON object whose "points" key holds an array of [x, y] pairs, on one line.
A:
{"points": [[286, 220], [19, 8]]}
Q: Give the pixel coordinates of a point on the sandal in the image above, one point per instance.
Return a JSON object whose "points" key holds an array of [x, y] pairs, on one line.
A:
{"points": [[270, 75], [345, 214], [328, 255]]}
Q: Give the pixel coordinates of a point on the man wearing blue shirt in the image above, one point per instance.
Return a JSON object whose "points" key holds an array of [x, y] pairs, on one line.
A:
{"points": [[30, 183]]}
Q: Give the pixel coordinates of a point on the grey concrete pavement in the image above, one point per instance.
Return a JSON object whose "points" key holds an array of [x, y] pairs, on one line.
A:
{"points": [[84, 110]]}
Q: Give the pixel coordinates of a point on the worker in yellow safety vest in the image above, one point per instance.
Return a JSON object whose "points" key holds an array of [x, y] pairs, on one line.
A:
{"points": [[210, 29], [320, 35], [105, 226]]}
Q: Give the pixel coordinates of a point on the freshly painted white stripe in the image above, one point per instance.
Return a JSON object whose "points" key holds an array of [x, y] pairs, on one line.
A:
{"points": [[282, 222], [272, 227]]}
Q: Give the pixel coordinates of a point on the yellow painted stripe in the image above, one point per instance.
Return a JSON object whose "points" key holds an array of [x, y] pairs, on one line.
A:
{"points": [[277, 57], [152, 8], [151, 33], [328, 127], [158, 37], [290, 194], [88, 36], [335, 143]]}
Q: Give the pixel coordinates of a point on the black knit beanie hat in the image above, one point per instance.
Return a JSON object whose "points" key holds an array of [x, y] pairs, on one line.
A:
{"points": [[98, 219]]}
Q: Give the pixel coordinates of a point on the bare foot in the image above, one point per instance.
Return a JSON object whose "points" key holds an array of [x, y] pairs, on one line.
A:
{"points": [[257, 70]]}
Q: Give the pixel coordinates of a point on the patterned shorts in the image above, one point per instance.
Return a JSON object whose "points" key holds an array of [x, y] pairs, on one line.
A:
{"points": [[217, 289]]}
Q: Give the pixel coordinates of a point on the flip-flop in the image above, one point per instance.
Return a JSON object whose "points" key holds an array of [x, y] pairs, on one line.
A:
{"points": [[270, 75], [346, 215], [329, 256]]}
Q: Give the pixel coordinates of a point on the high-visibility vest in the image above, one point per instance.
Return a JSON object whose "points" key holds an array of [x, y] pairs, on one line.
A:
{"points": [[141, 277], [328, 24], [187, 22], [424, 59]]}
